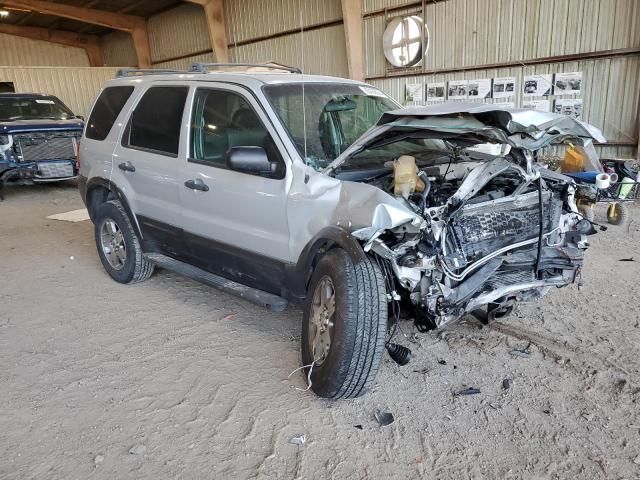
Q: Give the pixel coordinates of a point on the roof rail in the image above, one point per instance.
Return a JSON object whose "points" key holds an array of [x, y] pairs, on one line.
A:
{"points": [[204, 67], [132, 72]]}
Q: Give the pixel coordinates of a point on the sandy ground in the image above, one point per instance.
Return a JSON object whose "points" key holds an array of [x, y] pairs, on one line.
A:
{"points": [[196, 379]]}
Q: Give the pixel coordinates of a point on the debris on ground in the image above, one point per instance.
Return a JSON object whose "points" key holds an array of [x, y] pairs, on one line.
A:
{"points": [[384, 418], [442, 362], [521, 352], [98, 459], [298, 440], [359, 427], [506, 383], [637, 460], [229, 316], [137, 449], [400, 354], [468, 391], [630, 259], [587, 416]]}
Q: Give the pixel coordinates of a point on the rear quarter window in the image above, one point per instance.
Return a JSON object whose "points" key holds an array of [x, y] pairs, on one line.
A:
{"points": [[106, 110], [155, 123]]}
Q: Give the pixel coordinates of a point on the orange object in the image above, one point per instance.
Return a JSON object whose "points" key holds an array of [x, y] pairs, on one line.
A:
{"points": [[573, 160]]}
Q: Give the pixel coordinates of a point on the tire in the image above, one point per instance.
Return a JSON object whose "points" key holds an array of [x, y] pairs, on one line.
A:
{"points": [[357, 336], [128, 266], [587, 211], [617, 213]]}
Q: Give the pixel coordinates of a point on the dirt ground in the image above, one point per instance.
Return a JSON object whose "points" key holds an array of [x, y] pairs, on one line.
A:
{"points": [[195, 380]]}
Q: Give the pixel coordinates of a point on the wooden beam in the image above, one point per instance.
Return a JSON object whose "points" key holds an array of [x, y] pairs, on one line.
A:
{"points": [[136, 26], [352, 18], [90, 43], [214, 13]]}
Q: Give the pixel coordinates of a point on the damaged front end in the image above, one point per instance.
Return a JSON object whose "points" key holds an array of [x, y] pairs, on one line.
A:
{"points": [[484, 225]]}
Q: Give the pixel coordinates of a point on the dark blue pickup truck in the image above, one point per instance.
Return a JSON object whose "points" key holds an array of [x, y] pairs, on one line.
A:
{"points": [[39, 138]]}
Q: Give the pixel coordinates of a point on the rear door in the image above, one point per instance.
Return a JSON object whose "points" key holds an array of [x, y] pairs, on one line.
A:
{"points": [[146, 161], [237, 227]]}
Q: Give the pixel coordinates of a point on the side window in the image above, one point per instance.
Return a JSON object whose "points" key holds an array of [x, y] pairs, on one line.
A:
{"points": [[155, 123], [106, 110], [223, 120]]}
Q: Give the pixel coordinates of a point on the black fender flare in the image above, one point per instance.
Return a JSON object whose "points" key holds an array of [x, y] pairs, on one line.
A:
{"points": [[113, 188], [330, 237]]}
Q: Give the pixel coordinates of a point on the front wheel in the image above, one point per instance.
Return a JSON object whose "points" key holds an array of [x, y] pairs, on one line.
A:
{"points": [[118, 245], [617, 213], [344, 325]]}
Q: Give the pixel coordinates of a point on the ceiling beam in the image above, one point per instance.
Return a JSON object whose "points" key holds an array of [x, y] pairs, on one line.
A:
{"points": [[90, 43], [214, 13], [352, 19], [136, 26]]}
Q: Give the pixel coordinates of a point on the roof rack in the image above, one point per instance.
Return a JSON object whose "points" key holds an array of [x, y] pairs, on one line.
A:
{"points": [[132, 72], [204, 67]]}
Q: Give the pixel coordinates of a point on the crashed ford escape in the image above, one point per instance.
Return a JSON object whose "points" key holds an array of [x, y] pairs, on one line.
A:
{"points": [[281, 187]]}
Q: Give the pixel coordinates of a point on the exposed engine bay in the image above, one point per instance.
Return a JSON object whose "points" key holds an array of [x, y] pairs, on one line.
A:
{"points": [[497, 228]]}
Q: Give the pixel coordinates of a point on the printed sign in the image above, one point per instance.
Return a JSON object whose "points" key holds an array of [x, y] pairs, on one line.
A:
{"points": [[504, 87], [537, 85], [480, 88], [568, 83], [458, 89], [436, 92]]}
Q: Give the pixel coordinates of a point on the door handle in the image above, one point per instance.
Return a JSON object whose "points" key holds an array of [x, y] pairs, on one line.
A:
{"points": [[197, 184], [127, 167]]}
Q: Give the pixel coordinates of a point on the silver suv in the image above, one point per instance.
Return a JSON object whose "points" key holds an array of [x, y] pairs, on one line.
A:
{"points": [[278, 186]]}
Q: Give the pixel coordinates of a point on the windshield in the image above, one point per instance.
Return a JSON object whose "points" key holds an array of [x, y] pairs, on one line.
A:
{"points": [[335, 116], [23, 108]]}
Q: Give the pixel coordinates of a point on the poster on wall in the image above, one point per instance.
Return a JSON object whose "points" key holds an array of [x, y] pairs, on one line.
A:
{"points": [[571, 107], [436, 92], [413, 92], [567, 83], [479, 88], [504, 87], [543, 105], [537, 85], [458, 89]]}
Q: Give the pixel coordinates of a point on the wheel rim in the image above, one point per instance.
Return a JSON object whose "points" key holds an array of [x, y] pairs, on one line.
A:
{"points": [[323, 309], [112, 243]]}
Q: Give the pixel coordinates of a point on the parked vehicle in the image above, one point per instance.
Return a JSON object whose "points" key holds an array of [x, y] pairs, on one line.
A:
{"points": [[38, 139], [280, 187]]}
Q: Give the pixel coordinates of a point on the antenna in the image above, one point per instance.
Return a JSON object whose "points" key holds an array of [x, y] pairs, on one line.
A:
{"points": [[304, 109]]}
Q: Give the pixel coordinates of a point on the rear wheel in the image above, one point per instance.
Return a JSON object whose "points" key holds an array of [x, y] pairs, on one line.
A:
{"points": [[118, 246], [344, 325], [617, 213]]}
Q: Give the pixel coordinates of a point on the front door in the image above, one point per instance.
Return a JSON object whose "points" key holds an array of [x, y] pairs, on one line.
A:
{"points": [[146, 162], [235, 224]]}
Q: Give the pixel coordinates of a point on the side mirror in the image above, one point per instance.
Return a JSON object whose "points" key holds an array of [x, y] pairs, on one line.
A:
{"points": [[253, 160]]}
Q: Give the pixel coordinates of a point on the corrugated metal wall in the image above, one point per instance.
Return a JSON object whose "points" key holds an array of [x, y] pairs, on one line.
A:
{"points": [[481, 32], [248, 19], [24, 51], [467, 33], [77, 87], [118, 51], [180, 37]]}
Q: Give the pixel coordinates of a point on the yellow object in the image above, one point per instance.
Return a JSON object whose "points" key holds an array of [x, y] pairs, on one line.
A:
{"points": [[405, 176], [573, 160]]}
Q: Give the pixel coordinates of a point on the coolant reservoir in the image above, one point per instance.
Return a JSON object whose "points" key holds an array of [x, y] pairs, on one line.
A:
{"points": [[573, 160], [405, 176]]}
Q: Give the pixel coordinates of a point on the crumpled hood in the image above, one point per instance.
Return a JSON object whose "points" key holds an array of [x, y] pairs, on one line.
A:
{"points": [[526, 129]]}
